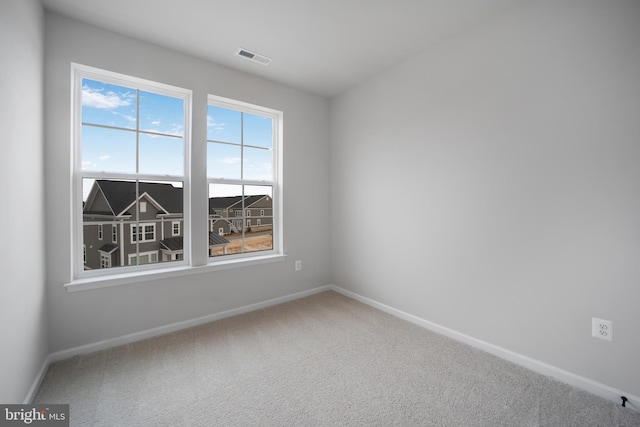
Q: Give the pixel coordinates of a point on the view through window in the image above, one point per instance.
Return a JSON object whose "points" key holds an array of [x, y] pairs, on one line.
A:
{"points": [[131, 170], [132, 177], [241, 151]]}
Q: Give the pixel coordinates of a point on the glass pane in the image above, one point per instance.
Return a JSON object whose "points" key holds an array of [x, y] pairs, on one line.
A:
{"points": [[108, 150], [161, 113], [258, 131], [225, 219], [108, 105], [259, 204], [245, 222], [161, 155], [223, 125], [258, 164], [223, 161], [115, 204]]}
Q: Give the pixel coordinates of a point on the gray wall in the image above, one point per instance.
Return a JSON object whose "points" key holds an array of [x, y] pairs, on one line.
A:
{"points": [[90, 316], [510, 158], [23, 331]]}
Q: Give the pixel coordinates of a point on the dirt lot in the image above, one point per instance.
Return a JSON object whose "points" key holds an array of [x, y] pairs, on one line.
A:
{"points": [[257, 242]]}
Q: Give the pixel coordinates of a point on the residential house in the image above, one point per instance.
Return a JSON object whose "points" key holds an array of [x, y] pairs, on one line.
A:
{"points": [[229, 214], [128, 223]]}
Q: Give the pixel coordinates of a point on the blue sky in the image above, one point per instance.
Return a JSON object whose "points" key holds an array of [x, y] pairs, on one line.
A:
{"points": [[113, 148]]}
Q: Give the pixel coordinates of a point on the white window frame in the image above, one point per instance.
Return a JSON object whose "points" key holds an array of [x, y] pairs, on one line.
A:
{"points": [[194, 260], [276, 182], [114, 233], [100, 231], [133, 230], [105, 260], [147, 253], [80, 72], [173, 228]]}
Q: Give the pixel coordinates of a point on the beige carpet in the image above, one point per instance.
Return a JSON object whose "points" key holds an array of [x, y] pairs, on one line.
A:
{"points": [[323, 360]]}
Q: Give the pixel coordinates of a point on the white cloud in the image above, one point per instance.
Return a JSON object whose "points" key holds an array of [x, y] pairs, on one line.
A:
{"points": [[106, 157], [155, 122], [211, 123], [230, 160], [98, 99]]}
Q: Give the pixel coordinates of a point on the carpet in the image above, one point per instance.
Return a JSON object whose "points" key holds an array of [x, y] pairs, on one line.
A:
{"points": [[324, 360]]}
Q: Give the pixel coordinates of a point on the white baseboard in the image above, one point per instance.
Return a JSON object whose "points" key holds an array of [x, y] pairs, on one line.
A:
{"points": [[173, 327], [31, 394], [149, 333], [577, 381], [582, 383]]}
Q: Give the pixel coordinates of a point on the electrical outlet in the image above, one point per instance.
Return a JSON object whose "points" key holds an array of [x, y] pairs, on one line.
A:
{"points": [[602, 329], [298, 265]]}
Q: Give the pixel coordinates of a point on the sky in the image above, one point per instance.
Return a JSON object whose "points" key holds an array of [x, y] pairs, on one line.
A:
{"points": [[110, 113]]}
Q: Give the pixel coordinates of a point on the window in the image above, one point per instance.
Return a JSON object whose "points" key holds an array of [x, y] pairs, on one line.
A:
{"points": [[105, 260], [131, 150], [143, 258], [243, 174], [143, 233], [131, 171]]}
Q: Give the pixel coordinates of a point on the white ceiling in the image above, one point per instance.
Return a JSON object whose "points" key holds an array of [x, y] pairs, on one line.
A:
{"points": [[322, 46]]}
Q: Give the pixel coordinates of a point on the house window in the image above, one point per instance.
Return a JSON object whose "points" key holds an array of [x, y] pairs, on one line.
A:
{"points": [[220, 231], [261, 212], [243, 158], [131, 151], [143, 233], [131, 144], [105, 260], [143, 258]]}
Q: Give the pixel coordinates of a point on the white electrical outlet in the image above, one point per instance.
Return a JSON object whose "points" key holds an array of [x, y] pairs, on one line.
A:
{"points": [[602, 329], [298, 265]]}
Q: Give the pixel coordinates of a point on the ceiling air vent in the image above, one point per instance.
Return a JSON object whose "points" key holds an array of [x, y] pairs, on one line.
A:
{"points": [[261, 59]]}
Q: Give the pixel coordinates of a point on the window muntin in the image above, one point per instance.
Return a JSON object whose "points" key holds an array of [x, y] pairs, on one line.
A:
{"points": [[131, 134], [143, 233], [242, 169], [119, 140]]}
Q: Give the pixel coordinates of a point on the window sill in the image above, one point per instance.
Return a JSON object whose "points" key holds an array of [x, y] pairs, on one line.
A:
{"points": [[165, 273]]}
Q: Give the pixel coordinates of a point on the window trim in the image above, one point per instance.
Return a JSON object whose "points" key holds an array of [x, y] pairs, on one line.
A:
{"points": [[173, 228], [196, 260], [142, 225], [145, 253], [78, 73], [276, 183]]}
